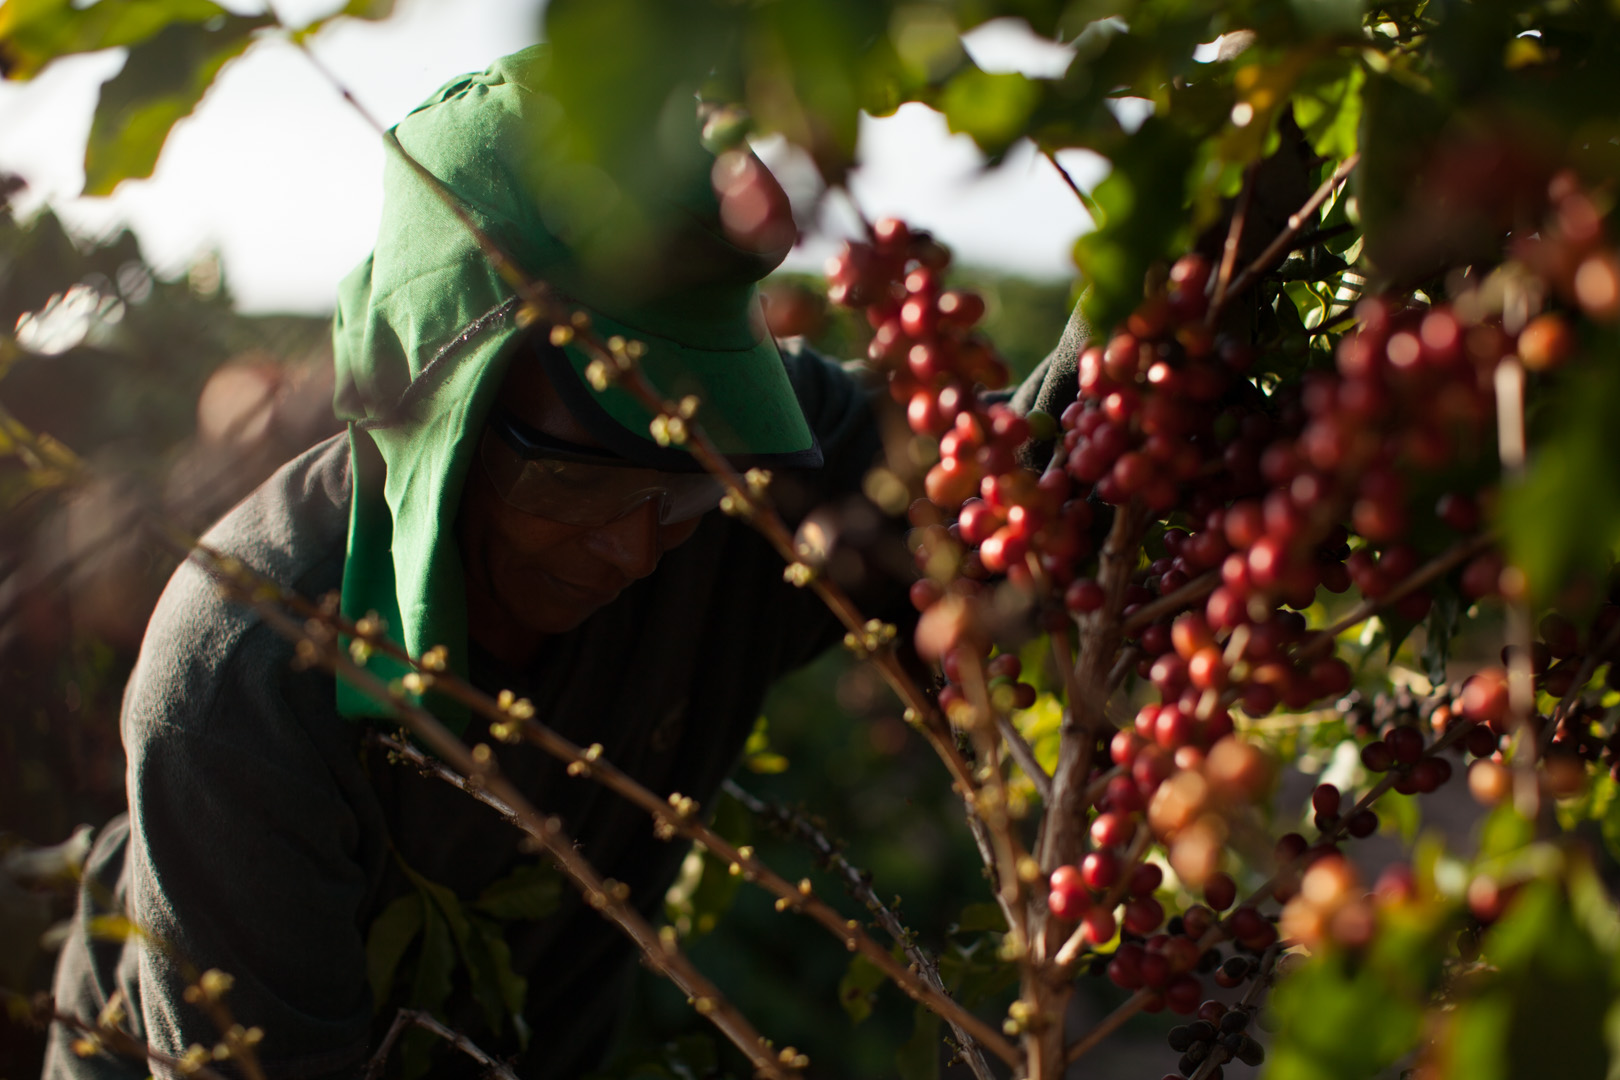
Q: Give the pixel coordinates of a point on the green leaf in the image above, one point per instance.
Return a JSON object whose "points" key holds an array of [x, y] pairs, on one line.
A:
{"points": [[858, 988], [162, 81], [489, 969], [1611, 827], [35, 32], [529, 892], [391, 934], [992, 108], [1330, 114], [514, 988], [1142, 201], [981, 918], [918, 1059], [1442, 625], [1402, 811], [1504, 831], [431, 986], [1344, 1017], [1543, 1013], [429, 989], [368, 9], [757, 753]]}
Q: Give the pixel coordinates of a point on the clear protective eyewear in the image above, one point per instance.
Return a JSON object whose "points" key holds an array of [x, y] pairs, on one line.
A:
{"points": [[541, 475]]}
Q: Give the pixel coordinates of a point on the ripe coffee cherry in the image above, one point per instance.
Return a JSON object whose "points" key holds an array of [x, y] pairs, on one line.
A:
{"points": [[1290, 846], [1233, 972], [1182, 994], [1099, 925], [1068, 898], [1143, 915], [1430, 773], [1248, 925], [1220, 891], [1145, 879], [1481, 742], [1083, 596], [1377, 757], [1155, 968], [1485, 698], [1110, 830], [1100, 869], [1362, 824], [925, 592], [1405, 743], [1325, 800], [1546, 342]]}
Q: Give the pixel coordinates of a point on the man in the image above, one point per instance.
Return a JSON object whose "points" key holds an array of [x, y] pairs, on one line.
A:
{"points": [[487, 501]]}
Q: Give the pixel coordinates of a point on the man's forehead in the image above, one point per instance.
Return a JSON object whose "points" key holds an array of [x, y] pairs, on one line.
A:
{"points": [[528, 394]]}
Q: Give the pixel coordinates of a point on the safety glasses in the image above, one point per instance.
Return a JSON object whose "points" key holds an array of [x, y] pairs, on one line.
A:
{"points": [[561, 481]]}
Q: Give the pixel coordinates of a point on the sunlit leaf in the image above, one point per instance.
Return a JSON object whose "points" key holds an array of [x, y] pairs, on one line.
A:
{"points": [[1141, 201], [992, 108], [35, 32], [162, 81]]}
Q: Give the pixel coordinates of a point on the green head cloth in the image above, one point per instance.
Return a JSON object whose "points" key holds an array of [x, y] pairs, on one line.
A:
{"points": [[426, 326]]}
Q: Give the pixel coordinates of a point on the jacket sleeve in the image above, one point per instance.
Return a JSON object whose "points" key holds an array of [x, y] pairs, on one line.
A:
{"points": [[245, 854]]}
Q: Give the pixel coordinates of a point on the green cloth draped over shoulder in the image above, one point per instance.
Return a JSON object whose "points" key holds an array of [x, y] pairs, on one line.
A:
{"points": [[425, 326]]}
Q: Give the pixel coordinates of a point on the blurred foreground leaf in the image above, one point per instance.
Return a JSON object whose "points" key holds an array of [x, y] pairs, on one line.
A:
{"points": [[162, 81], [35, 32]]}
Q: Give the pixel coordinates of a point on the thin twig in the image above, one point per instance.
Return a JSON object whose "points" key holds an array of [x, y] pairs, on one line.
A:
{"points": [[417, 1018], [1280, 246], [1171, 602], [1099, 641], [1234, 239], [41, 1010], [1008, 848], [1436, 568], [859, 886], [1109, 1024], [679, 815], [1024, 755], [610, 898], [1085, 200]]}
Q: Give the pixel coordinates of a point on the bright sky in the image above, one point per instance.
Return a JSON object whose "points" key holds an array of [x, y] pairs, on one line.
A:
{"points": [[283, 179]]}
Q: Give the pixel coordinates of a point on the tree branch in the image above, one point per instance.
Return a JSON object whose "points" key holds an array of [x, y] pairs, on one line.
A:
{"points": [[417, 1018], [1281, 245], [104, 1033]]}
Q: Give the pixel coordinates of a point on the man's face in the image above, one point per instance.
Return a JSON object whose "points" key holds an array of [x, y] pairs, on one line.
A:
{"points": [[529, 576]]}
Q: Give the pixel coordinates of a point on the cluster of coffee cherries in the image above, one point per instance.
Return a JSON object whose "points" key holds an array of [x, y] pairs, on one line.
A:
{"points": [[1217, 1029], [923, 336], [1572, 253], [1003, 687], [1187, 786], [1007, 521]]}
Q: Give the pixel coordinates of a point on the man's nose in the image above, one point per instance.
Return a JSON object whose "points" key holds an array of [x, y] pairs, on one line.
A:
{"points": [[630, 542]]}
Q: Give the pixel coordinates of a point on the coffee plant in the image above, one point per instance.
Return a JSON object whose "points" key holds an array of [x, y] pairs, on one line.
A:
{"points": [[1311, 516]]}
